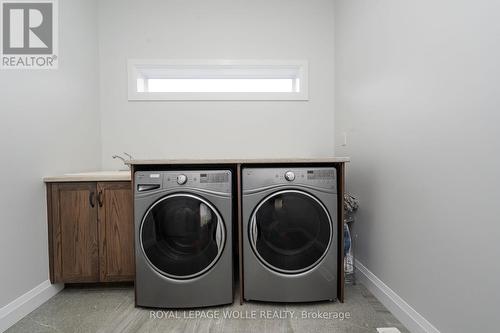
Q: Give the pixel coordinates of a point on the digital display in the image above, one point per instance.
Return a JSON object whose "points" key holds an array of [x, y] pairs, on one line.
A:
{"points": [[214, 177], [321, 174]]}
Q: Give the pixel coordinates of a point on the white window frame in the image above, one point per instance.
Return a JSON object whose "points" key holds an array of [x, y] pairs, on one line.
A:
{"points": [[135, 66]]}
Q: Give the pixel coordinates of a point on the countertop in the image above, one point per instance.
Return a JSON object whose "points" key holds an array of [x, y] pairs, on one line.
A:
{"points": [[102, 176], [240, 161], [96, 176]]}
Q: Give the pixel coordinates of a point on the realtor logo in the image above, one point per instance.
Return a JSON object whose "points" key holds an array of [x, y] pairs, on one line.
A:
{"points": [[29, 34]]}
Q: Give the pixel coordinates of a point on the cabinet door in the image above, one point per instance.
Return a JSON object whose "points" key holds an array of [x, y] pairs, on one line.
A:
{"points": [[116, 231], [75, 251]]}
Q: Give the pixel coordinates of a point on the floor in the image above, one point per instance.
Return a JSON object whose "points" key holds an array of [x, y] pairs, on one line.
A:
{"points": [[111, 309]]}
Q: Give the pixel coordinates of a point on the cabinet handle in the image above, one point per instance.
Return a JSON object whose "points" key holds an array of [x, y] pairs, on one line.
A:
{"points": [[91, 199], [99, 198]]}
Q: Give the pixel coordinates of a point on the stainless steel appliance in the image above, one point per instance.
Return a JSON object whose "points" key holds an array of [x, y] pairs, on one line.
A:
{"points": [[289, 234], [183, 238]]}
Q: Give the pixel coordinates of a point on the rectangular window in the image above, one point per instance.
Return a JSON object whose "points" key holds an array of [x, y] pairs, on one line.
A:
{"points": [[217, 80]]}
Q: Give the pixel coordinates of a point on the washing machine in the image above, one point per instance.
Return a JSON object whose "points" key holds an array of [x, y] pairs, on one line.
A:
{"points": [[289, 234], [183, 238]]}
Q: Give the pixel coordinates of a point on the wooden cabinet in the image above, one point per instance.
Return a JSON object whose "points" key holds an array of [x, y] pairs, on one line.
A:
{"points": [[74, 233], [91, 232], [116, 232]]}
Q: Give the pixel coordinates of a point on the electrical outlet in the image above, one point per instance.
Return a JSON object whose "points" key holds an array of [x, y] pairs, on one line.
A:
{"points": [[344, 139]]}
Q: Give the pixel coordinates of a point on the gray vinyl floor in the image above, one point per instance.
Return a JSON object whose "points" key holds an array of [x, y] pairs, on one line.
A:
{"points": [[111, 309]]}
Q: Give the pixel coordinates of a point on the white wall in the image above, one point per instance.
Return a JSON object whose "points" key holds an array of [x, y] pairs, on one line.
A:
{"points": [[49, 125], [418, 92], [218, 29]]}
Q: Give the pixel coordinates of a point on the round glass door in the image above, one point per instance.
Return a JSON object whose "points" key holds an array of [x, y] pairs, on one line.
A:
{"points": [[290, 231], [182, 236]]}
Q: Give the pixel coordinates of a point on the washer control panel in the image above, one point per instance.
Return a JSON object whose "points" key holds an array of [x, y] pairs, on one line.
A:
{"points": [[213, 180], [319, 177]]}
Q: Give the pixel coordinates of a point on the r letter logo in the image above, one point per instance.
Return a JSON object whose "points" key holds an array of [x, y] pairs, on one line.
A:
{"points": [[29, 34]]}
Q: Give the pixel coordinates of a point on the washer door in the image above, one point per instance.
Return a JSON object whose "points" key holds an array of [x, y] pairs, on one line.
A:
{"points": [[182, 236], [290, 231]]}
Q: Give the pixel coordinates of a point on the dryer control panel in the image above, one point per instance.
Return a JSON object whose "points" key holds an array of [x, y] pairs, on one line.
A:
{"points": [[319, 177], [212, 180]]}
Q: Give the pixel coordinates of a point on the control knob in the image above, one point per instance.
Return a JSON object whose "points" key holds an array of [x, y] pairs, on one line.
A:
{"points": [[290, 176], [181, 179]]}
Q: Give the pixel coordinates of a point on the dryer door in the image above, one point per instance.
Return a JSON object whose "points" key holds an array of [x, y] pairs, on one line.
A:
{"points": [[290, 231], [182, 236]]}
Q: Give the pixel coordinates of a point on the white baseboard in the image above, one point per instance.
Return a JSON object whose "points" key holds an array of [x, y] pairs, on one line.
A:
{"points": [[24, 304], [407, 315]]}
